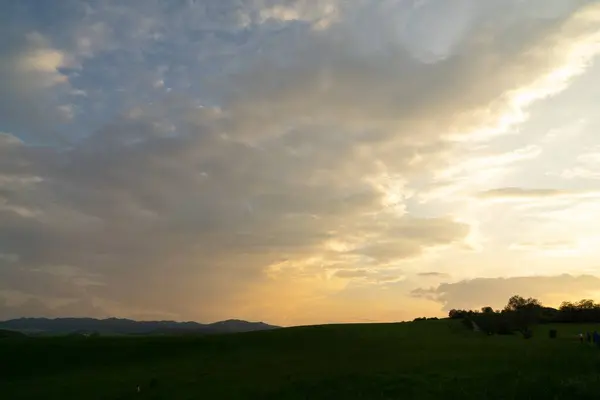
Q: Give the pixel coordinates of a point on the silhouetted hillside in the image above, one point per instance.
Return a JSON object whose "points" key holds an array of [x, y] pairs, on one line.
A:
{"points": [[127, 326], [10, 334]]}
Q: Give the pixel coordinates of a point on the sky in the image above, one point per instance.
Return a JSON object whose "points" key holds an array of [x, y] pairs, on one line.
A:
{"points": [[297, 161]]}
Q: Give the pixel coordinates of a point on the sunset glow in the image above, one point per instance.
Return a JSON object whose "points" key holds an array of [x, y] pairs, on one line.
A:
{"points": [[297, 162]]}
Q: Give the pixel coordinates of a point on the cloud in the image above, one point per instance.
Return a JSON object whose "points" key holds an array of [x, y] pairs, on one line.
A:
{"points": [[223, 197], [533, 194], [479, 166], [357, 273], [30, 77], [560, 244], [551, 249], [410, 236], [321, 15], [126, 214], [580, 172], [586, 167], [556, 245], [522, 193], [495, 292], [433, 274], [577, 246]]}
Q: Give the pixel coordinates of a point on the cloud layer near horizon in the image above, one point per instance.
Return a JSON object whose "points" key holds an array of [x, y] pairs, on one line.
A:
{"points": [[495, 292], [274, 160]]}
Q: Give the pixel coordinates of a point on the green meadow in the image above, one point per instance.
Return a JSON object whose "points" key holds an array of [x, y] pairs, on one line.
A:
{"points": [[413, 360]]}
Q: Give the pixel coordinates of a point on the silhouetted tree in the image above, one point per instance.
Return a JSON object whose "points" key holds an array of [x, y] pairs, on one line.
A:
{"points": [[524, 313], [517, 303], [457, 314], [582, 311], [521, 313]]}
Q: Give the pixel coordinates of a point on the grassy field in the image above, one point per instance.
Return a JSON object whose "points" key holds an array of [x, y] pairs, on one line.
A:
{"points": [[419, 360]]}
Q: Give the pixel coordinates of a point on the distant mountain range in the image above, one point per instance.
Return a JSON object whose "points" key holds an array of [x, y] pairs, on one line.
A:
{"points": [[116, 326]]}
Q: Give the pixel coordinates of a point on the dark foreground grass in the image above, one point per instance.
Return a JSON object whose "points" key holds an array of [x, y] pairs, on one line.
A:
{"points": [[421, 360]]}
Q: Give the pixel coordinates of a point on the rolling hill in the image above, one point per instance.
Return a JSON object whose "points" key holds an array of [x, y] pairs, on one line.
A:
{"points": [[414, 360], [116, 326]]}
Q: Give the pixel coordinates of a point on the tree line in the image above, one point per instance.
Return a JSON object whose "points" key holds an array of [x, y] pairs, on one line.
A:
{"points": [[521, 313]]}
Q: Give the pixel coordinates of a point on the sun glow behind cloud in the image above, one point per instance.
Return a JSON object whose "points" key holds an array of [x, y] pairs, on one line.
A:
{"points": [[344, 156], [579, 52]]}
